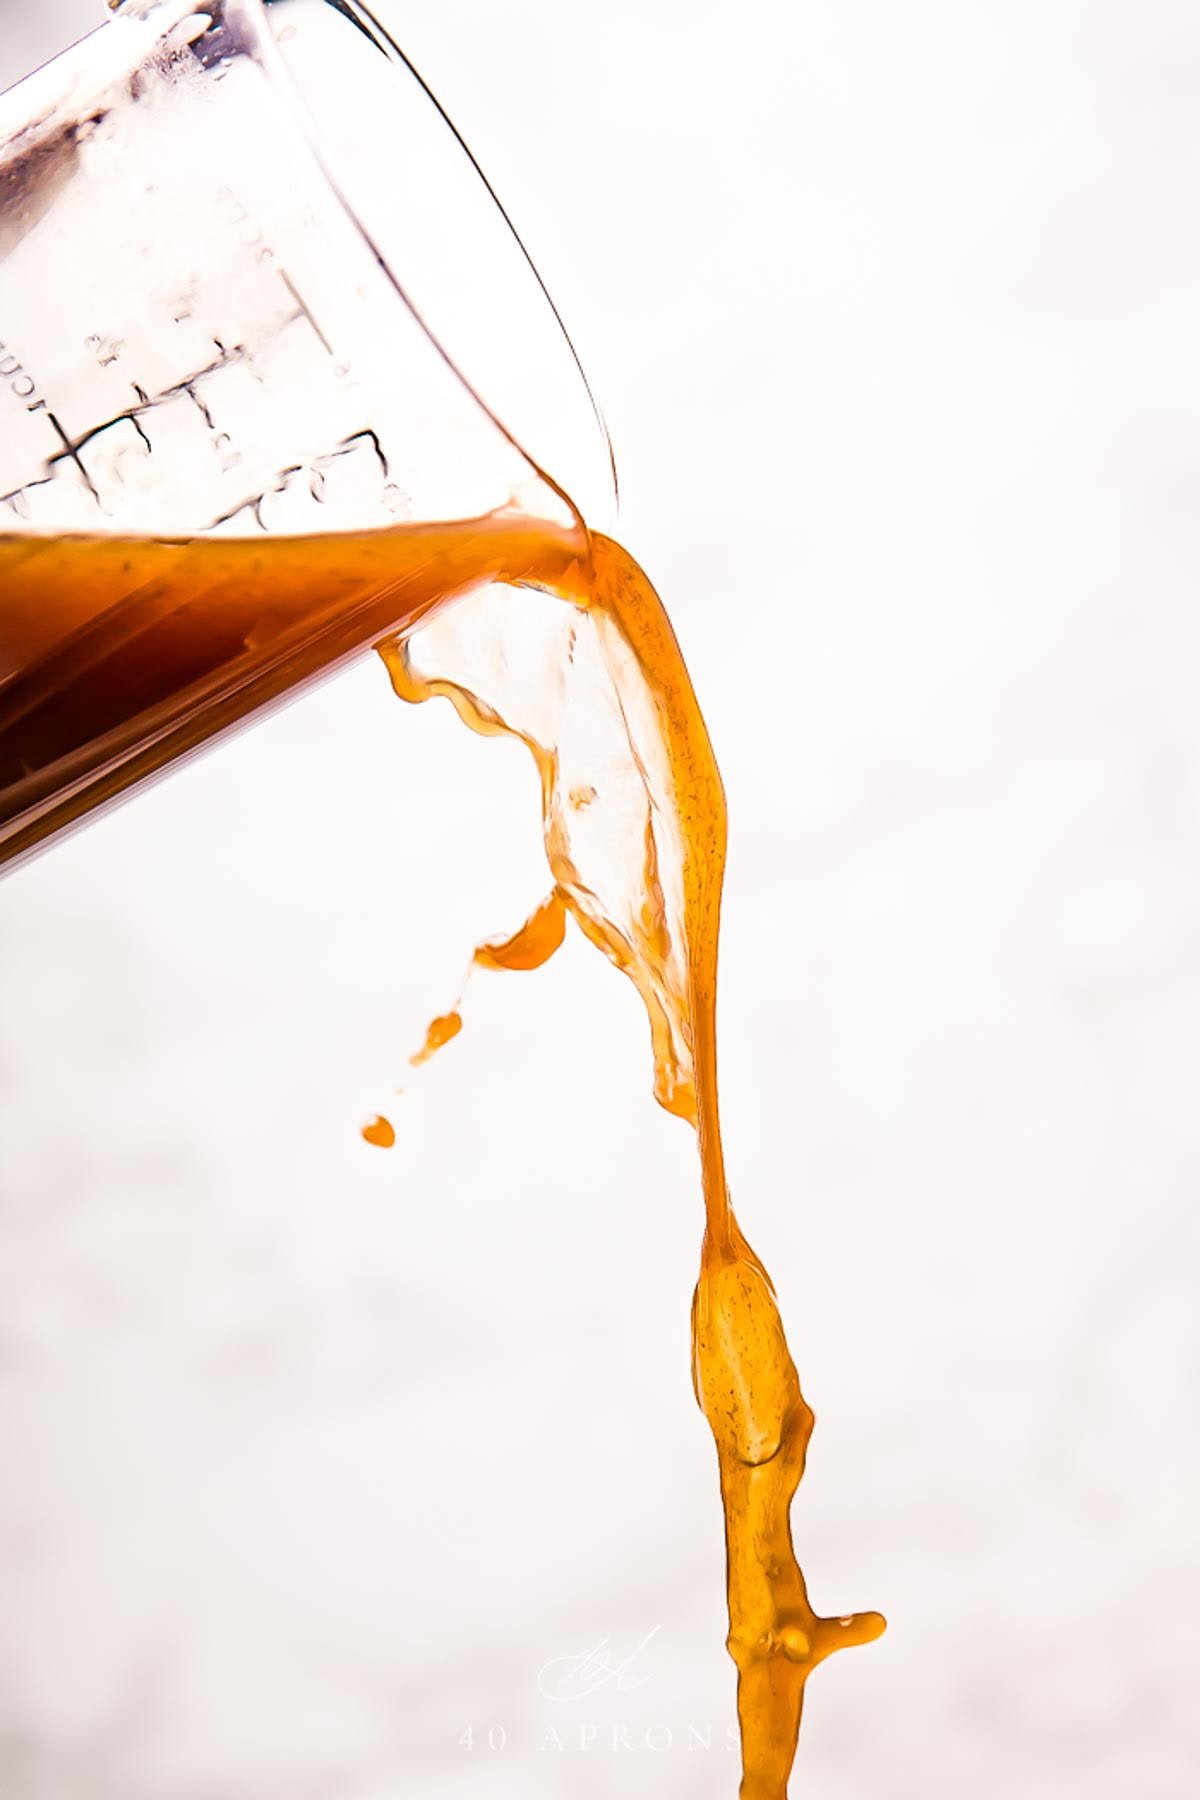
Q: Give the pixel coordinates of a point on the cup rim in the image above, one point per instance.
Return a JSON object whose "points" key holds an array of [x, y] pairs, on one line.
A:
{"points": [[359, 15]]}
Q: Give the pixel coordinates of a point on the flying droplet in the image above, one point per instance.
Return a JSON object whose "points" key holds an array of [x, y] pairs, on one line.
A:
{"points": [[441, 1030], [380, 1132]]}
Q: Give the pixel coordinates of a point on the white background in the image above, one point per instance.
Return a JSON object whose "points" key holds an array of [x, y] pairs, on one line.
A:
{"points": [[313, 1456]]}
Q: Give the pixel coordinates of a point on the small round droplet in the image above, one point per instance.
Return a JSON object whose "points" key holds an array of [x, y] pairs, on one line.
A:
{"points": [[380, 1132]]}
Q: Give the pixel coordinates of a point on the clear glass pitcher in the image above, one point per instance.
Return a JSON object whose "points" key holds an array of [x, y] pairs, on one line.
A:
{"points": [[252, 288]]}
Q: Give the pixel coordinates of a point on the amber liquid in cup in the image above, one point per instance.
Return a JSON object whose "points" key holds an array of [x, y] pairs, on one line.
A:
{"points": [[119, 655]]}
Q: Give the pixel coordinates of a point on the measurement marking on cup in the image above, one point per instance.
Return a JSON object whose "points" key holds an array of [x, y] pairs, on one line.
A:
{"points": [[18, 379], [373, 438], [16, 501], [202, 406], [132, 415], [222, 361], [246, 225], [72, 450], [304, 312]]}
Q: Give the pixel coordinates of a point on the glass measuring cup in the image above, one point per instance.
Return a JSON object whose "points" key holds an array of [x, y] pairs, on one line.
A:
{"points": [[250, 289]]}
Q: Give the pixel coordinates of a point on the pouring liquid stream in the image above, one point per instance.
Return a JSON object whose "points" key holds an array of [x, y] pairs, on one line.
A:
{"points": [[660, 926], [118, 655]]}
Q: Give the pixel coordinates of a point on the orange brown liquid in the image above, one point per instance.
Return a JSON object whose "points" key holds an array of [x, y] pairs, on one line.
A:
{"points": [[380, 1132], [440, 1031], [117, 656]]}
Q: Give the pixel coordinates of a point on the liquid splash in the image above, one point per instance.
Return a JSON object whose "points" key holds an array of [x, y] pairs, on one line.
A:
{"points": [[634, 826]]}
